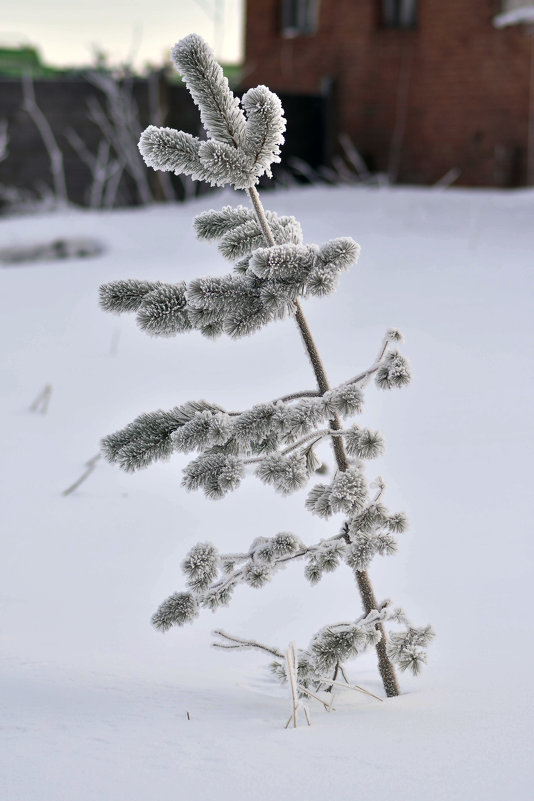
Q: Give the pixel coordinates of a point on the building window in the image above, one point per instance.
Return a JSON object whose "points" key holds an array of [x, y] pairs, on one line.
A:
{"points": [[300, 17], [399, 13]]}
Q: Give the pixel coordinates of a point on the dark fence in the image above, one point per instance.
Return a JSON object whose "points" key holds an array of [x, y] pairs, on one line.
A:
{"points": [[65, 104]]}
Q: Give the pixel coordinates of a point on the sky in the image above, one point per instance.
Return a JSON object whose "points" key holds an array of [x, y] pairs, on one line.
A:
{"points": [[66, 32]]}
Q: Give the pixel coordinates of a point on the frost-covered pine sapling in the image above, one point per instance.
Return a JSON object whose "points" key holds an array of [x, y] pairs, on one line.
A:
{"points": [[272, 269]]}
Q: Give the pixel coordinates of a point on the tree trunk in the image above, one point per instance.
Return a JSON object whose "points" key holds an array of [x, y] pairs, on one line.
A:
{"points": [[385, 666]]}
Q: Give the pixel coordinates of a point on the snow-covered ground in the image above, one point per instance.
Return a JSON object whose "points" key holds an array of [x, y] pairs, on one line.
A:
{"points": [[94, 701]]}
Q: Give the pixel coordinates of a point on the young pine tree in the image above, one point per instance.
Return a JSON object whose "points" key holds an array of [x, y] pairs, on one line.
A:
{"points": [[272, 269]]}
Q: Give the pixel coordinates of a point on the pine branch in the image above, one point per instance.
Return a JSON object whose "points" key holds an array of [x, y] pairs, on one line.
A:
{"points": [[258, 565], [173, 151], [392, 335], [215, 224], [264, 128], [316, 436], [219, 109]]}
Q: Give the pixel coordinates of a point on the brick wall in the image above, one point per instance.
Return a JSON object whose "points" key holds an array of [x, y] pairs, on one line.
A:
{"points": [[453, 93]]}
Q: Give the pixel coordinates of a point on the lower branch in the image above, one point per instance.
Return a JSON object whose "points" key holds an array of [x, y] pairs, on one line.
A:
{"points": [[229, 641]]}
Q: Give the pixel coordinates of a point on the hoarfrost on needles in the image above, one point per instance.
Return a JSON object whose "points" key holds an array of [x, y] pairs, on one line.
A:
{"points": [[272, 271]]}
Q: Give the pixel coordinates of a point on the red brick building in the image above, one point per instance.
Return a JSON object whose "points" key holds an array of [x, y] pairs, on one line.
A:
{"points": [[420, 86]]}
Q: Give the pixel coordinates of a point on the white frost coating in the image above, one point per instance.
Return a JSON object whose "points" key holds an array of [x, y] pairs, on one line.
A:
{"points": [[264, 132], [517, 16], [279, 436]]}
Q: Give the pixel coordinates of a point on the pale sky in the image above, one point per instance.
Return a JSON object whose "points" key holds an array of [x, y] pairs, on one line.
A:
{"points": [[66, 30]]}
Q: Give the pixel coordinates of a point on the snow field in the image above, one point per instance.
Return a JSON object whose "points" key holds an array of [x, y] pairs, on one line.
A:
{"points": [[94, 701]]}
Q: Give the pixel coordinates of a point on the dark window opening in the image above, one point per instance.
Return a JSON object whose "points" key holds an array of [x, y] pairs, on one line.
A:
{"points": [[300, 17], [399, 14]]}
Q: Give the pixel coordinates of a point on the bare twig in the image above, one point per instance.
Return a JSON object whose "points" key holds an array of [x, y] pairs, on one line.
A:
{"points": [[326, 705], [112, 188], [54, 153], [330, 688], [363, 378], [40, 404], [302, 167], [291, 670], [449, 178], [357, 379], [353, 157], [351, 687], [90, 465], [4, 140], [102, 167], [119, 123], [237, 642]]}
